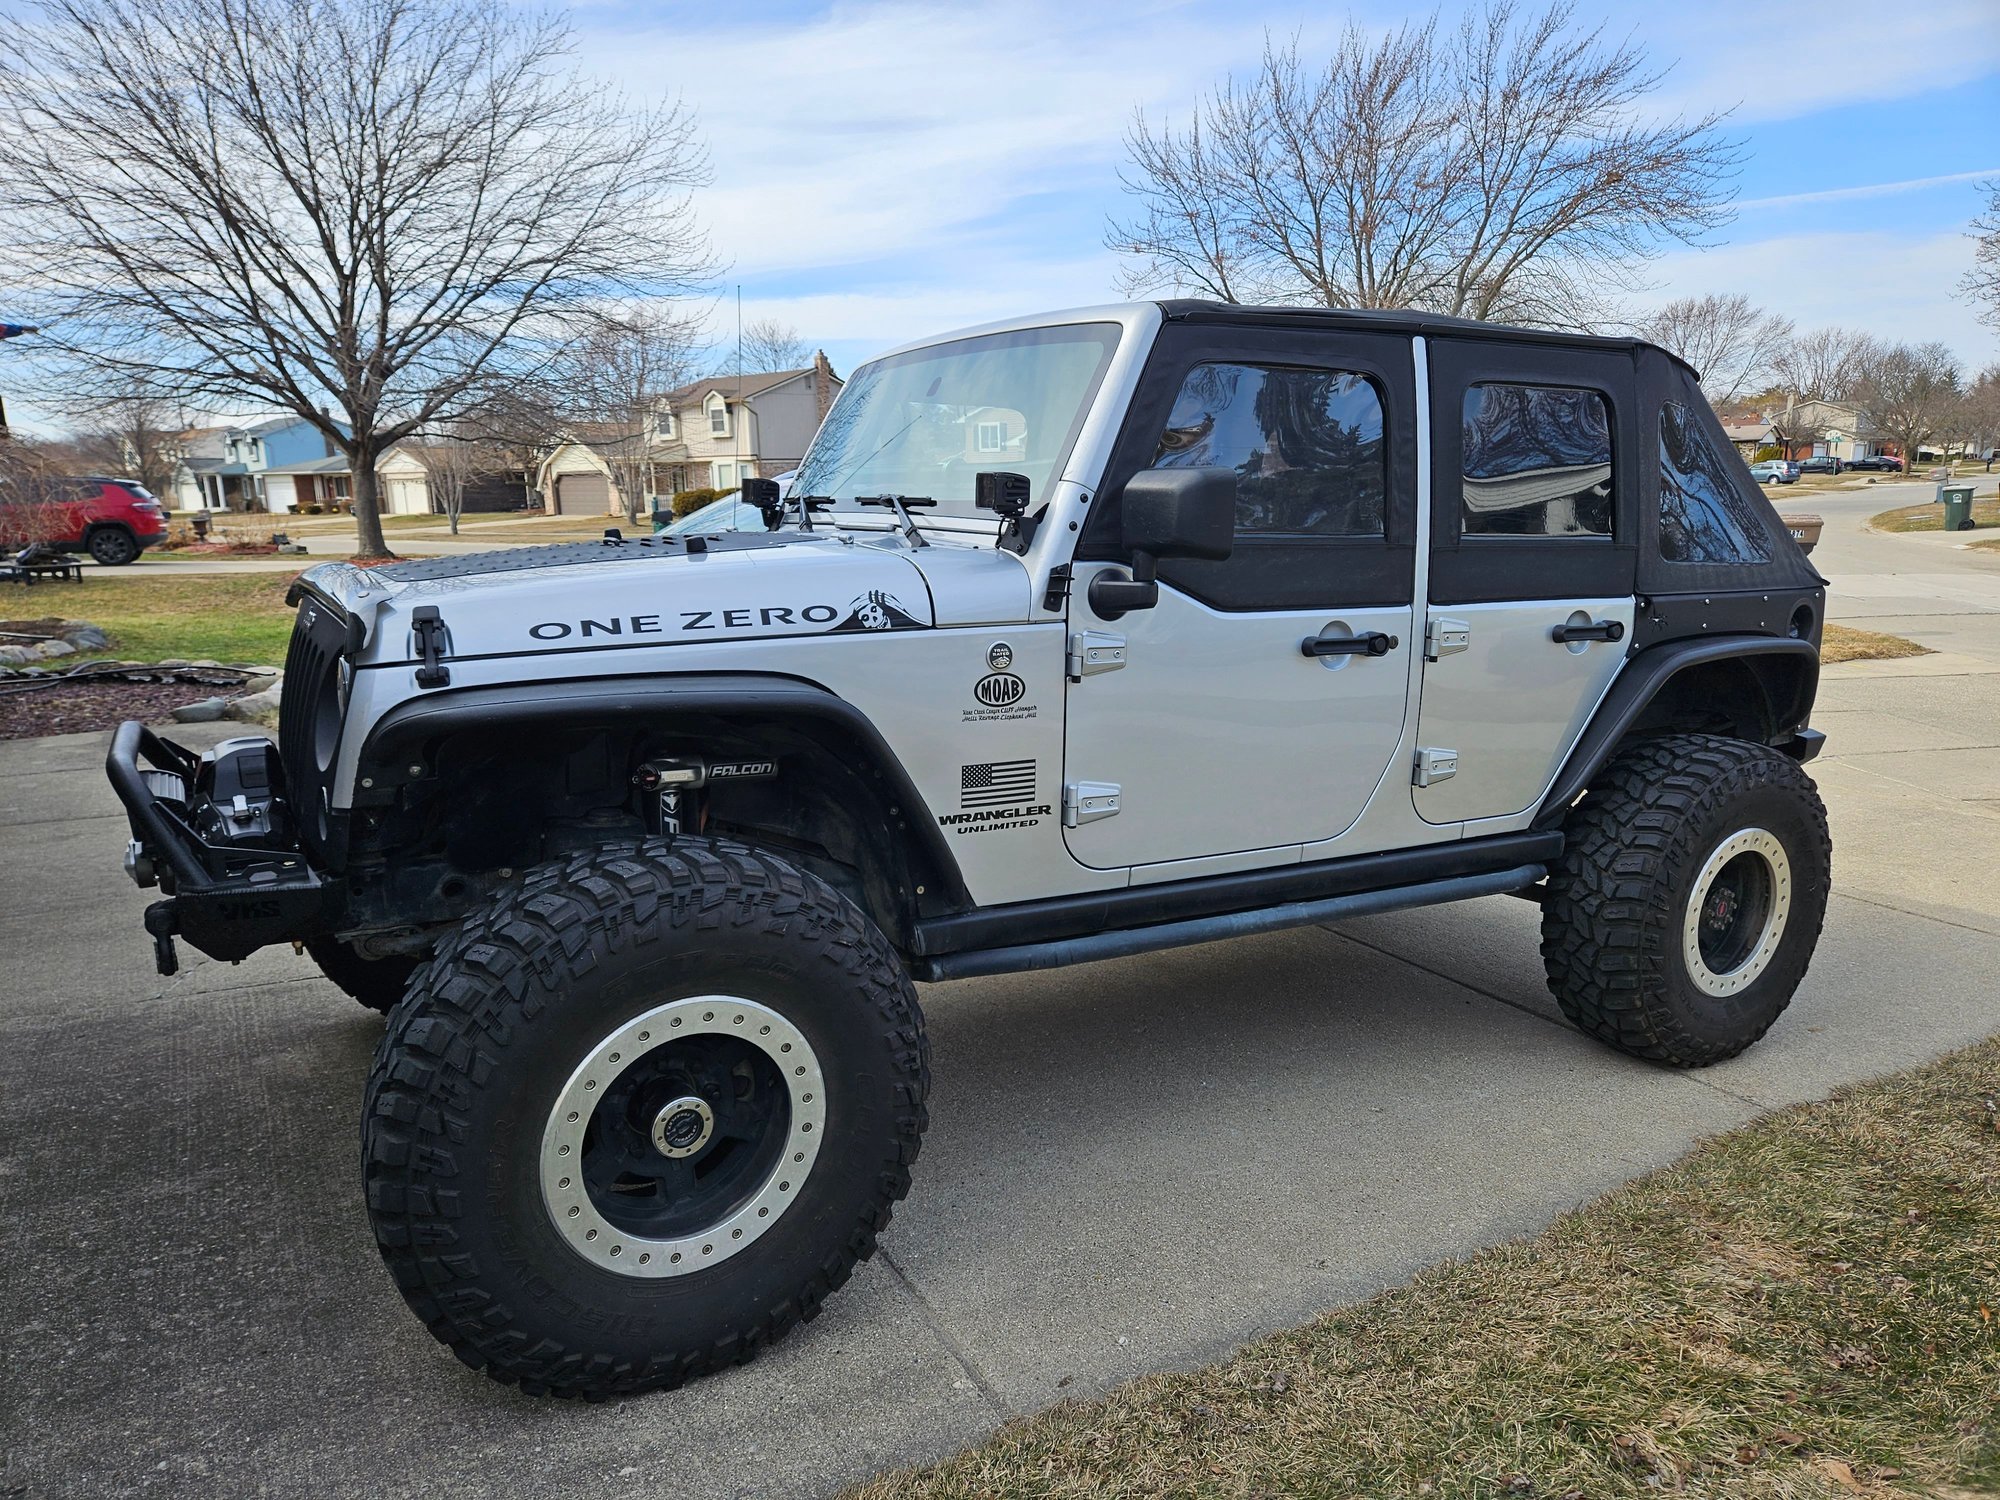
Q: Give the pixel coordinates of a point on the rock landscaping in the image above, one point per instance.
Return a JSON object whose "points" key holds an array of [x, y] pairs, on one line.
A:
{"points": [[42, 693]]}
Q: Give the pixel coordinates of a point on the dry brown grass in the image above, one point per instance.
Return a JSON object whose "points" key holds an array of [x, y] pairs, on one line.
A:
{"points": [[1930, 516], [1803, 1307], [1844, 643]]}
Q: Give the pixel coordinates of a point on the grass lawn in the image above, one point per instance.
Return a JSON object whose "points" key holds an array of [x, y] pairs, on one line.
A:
{"points": [[1844, 643], [1803, 1307], [202, 616], [1930, 517]]}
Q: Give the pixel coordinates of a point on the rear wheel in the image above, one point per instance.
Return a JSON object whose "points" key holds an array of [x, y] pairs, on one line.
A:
{"points": [[642, 1115], [113, 546], [1689, 898]]}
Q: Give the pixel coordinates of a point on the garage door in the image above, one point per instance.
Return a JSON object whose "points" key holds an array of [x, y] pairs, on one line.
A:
{"points": [[408, 497], [583, 495]]}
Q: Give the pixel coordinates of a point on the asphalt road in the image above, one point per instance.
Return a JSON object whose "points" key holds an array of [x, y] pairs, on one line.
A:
{"points": [[1131, 1165]]}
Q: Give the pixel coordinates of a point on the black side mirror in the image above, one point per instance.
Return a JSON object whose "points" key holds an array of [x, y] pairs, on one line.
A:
{"points": [[1167, 513], [764, 494]]}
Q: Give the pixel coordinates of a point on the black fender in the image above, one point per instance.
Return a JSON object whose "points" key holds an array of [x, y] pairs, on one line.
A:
{"points": [[648, 700], [1783, 673]]}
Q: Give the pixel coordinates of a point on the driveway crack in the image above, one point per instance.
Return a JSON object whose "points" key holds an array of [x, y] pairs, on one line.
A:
{"points": [[957, 1350]]}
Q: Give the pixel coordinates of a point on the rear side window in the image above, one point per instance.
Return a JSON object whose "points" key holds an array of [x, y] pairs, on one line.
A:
{"points": [[1537, 462], [1704, 516], [1306, 446]]}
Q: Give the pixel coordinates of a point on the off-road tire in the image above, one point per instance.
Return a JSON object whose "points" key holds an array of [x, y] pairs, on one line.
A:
{"points": [[1612, 920], [478, 1053], [112, 546], [377, 983]]}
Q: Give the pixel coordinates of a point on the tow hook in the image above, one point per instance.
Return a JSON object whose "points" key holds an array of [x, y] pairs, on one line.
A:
{"points": [[160, 923]]}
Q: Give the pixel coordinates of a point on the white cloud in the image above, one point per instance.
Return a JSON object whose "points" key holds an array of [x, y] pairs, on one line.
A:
{"points": [[1895, 286], [1869, 190], [1779, 59]]}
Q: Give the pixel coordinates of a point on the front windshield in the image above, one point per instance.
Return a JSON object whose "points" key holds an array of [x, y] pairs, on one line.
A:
{"points": [[924, 423]]}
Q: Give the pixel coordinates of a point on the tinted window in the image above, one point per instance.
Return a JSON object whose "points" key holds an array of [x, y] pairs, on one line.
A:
{"points": [[1704, 517], [1306, 446], [1537, 462]]}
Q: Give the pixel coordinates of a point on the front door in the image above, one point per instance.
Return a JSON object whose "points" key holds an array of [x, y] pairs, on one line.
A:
{"points": [[1202, 727], [1531, 595]]}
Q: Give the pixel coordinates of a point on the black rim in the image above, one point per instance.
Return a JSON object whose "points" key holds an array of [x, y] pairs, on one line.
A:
{"points": [[112, 547], [1734, 912], [651, 1109]]}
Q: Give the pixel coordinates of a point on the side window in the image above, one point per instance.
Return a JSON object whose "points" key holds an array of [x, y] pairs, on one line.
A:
{"points": [[1704, 516], [1537, 462], [1307, 447]]}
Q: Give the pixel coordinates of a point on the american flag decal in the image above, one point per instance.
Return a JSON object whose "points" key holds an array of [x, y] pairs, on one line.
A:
{"points": [[997, 783]]}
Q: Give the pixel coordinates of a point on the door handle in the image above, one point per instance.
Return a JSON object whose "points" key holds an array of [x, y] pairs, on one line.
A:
{"points": [[1602, 630], [1374, 643]]}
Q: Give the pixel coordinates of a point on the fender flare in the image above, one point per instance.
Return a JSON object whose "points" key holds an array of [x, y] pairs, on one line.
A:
{"points": [[1640, 683], [651, 699]]}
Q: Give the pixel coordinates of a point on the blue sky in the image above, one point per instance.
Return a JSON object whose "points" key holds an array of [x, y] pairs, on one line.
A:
{"points": [[886, 169]]}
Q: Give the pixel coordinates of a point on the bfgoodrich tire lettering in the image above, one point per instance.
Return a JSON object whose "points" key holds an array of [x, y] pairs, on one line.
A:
{"points": [[1678, 832], [553, 974]]}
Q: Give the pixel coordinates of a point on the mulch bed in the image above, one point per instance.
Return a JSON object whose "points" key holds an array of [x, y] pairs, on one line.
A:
{"points": [[74, 708]]}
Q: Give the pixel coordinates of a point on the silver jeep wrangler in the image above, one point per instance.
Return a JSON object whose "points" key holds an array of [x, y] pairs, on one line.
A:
{"points": [[1076, 636]]}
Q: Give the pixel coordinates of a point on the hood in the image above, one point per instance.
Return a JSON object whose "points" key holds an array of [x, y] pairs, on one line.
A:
{"points": [[668, 591]]}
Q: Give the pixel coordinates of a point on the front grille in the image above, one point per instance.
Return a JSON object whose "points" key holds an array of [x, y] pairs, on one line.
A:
{"points": [[309, 712]]}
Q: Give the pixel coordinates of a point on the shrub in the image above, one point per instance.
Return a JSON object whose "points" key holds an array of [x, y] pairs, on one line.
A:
{"points": [[1767, 452], [687, 502]]}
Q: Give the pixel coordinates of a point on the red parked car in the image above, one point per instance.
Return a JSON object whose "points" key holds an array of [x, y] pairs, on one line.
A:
{"points": [[114, 520]]}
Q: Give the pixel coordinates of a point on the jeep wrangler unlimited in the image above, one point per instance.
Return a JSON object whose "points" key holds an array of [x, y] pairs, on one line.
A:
{"points": [[1076, 636]]}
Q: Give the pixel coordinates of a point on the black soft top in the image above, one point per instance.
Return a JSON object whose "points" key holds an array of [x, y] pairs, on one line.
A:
{"points": [[1392, 320]]}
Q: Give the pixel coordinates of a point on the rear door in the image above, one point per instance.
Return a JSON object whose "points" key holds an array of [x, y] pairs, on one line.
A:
{"points": [[1201, 727], [1531, 579]]}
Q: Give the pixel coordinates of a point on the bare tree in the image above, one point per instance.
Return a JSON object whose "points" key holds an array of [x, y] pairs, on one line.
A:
{"points": [[1981, 285], [31, 484], [1828, 364], [134, 434], [1911, 392], [1979, 413], [770, 345], [1500, 171], [1731, 343], [451, 462], [357, 210], [616, 377]]}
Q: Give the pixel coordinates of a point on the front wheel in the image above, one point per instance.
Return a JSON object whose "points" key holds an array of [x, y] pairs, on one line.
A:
{"points": [[1688, 899], [641, 1115]]}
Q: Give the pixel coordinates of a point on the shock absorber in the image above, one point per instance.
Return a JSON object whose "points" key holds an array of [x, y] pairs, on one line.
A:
{"points": [[670, 795]]}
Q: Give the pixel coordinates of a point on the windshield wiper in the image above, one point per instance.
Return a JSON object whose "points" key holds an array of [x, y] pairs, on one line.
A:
{"points": [[901, 505]]}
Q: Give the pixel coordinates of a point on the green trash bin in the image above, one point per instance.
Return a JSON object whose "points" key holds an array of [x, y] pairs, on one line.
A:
{"points": [[1957, 500]]}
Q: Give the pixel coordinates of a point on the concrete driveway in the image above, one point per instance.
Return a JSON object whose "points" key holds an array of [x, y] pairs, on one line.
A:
{"points": [[1131, 1165]]}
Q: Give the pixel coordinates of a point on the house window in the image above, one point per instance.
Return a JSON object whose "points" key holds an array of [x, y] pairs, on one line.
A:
{"points": [[725, 476], [341, 487], [718, 419], [1537, 462], [990, 437]]}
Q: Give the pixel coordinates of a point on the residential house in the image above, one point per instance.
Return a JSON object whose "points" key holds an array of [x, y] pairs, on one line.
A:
{"points": [[256, 466], [402, 484], [1748, 433], [708, 434]]}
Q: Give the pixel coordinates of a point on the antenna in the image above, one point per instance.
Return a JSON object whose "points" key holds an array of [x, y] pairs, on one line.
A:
{"points": [[743, 407]]}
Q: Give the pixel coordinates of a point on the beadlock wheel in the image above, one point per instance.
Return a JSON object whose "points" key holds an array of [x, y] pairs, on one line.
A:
{"points": [[683, 1136], [1736, 911]]}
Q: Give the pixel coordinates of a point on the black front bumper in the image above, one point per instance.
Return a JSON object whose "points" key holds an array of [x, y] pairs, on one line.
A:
{"points": [[228, 899]]}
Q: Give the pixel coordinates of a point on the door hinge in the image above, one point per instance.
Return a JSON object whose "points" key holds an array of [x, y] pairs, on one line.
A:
{"points": [[1057, 593], [1087, 801], [1094, 651], [432, 644], [1434, 765], [1446, 638]]}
